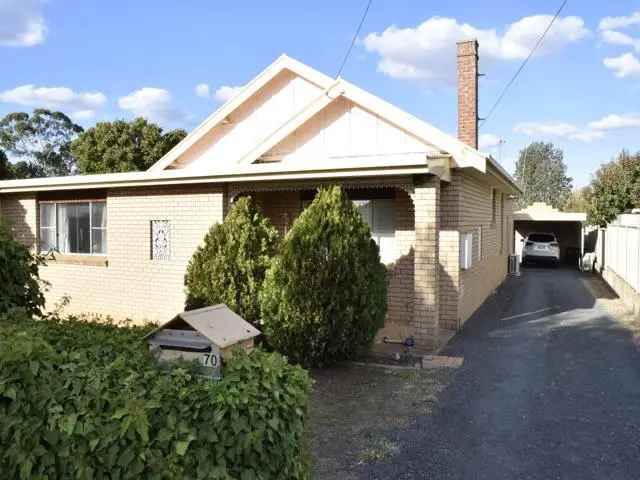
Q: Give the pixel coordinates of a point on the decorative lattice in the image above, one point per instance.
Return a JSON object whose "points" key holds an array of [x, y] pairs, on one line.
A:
{"points": [[160, 240]]}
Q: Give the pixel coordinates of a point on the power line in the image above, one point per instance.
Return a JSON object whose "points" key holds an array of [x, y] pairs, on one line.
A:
{"points": [[526, 60], [355, 37]]}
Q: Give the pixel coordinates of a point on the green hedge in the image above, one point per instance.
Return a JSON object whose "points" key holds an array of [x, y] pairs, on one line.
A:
{"points": [[85, 400]]}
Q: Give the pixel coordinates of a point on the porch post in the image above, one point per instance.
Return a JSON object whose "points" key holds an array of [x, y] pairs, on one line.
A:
{"points": [[425, 321]]}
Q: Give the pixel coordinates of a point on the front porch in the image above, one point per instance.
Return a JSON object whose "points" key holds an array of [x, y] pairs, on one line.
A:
{"points": [[404, 216]]}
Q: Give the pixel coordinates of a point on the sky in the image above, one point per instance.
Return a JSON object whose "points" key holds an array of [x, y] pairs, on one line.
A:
{"points": [[176, 62]]}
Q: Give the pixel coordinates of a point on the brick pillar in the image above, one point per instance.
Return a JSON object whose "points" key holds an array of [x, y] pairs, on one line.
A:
{"points": [[468, 92], [425, 323]]}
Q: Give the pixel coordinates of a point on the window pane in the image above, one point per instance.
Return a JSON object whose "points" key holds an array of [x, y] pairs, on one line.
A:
{"points": [[47, 215], [73, 228], [383, 216], [98, 215], [99, 240], [387, 245], [47, 239], [364, 207]]}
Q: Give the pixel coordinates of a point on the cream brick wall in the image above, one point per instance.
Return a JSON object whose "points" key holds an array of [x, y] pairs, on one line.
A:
{"points": [[132, 284], [491, 247]]}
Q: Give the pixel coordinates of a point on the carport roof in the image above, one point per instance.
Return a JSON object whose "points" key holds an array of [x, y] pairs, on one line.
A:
{"points": [[540, 211]]}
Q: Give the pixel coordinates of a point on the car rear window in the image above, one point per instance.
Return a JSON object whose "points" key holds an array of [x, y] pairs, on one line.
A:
{"points": [[541, 238]]}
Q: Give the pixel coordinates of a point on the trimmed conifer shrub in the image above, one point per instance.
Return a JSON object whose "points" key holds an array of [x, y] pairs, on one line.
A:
{"points": [[325, 294], [20, 284], [230, 266]]}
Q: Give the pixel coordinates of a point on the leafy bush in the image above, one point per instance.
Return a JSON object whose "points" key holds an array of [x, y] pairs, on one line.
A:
{"points": [[325, 295], [18, 275], [230, 267], [83, 400]]}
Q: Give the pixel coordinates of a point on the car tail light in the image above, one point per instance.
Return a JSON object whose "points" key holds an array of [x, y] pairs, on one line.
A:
{"points": [[529, 244], [555, 244]]}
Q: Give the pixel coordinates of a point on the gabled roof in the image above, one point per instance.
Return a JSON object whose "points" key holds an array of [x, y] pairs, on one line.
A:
{"points": [[443, 151], [462, 155], [283, 62]]}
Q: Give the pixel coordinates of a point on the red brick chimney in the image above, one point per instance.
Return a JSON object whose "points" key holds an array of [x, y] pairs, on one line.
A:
{"points": [[468, 92]]}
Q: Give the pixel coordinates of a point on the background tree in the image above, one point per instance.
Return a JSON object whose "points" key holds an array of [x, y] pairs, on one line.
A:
{"points": [[325, 295], [230, 266], [578, 200], [615, 188], [6, 169], [122, 146], [42, 140], [542, 175]]}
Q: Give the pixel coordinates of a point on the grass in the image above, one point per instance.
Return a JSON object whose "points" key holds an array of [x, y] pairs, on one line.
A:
{"points": [[355, 411]]}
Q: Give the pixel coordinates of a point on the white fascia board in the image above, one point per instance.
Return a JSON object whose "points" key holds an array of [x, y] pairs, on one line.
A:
{"points": [[507, 177], [282, 63], [462, 154]]}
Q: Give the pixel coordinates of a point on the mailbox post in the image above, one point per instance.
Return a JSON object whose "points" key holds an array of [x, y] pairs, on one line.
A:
{"points": [[206, 335]]}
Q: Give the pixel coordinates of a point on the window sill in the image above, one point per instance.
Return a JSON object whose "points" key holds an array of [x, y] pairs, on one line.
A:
{"points": [[71, 259]]}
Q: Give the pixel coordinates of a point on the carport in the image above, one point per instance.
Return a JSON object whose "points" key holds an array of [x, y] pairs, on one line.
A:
{"points": [[568, 227]]}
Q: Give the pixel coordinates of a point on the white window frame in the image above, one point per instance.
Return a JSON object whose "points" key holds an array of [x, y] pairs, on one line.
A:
{"points": [[466, 250], [55, 226], [377, 234]]}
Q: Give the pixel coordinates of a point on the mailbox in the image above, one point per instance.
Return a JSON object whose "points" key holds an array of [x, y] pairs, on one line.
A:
{"points": [[206, 335]]}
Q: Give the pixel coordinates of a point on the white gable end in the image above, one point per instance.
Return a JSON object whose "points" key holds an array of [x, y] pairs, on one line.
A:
{"points": [[345, 131], [254, 120]]}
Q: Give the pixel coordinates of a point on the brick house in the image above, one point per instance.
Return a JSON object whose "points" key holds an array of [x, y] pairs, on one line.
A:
{"points": [[439, 209]]}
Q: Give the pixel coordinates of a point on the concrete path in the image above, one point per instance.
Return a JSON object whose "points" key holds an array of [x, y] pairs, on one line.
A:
{"points": [[549, 389]]}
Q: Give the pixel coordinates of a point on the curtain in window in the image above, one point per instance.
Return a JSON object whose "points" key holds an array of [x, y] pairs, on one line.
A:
{"points": [[64, 228], [74, 230]]}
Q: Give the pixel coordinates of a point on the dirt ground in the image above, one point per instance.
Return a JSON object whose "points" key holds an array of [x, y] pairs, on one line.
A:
{"points": [[355, 410]]}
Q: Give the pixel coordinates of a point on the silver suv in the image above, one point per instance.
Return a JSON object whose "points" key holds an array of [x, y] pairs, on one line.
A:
{"points": [[541, 247]]}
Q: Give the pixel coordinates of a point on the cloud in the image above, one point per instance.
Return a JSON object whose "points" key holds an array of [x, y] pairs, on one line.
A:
{"points": [[550, 129], [558, 130], [610, 23], [203, 90], [21, 23], [155, 104], [618, 38], [595, 130], [616, 122], [427, 52], [626, 65], [56, 98], [226, 93], [223, 94], [487, 141]]}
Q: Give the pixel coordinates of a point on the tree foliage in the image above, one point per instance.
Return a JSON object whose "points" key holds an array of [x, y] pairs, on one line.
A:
{"points": [[230, 266], [86, 400], [6, 169], [542, 175], [20, 285], [122, 146], [41, 140], [325, 294], [578, 200], [615, 188]]}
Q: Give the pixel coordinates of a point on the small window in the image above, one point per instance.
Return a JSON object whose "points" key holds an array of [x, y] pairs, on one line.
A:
{"points": [[466, 251], [378, 213], [494, 205], [160, 240], [73, 227]]}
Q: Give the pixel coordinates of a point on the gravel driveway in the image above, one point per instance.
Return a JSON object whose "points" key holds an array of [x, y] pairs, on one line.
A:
{"points": [[549, 389]]}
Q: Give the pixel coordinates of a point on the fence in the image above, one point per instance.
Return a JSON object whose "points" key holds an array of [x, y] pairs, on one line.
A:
{"points": [[622, 247], [618, 257]]}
